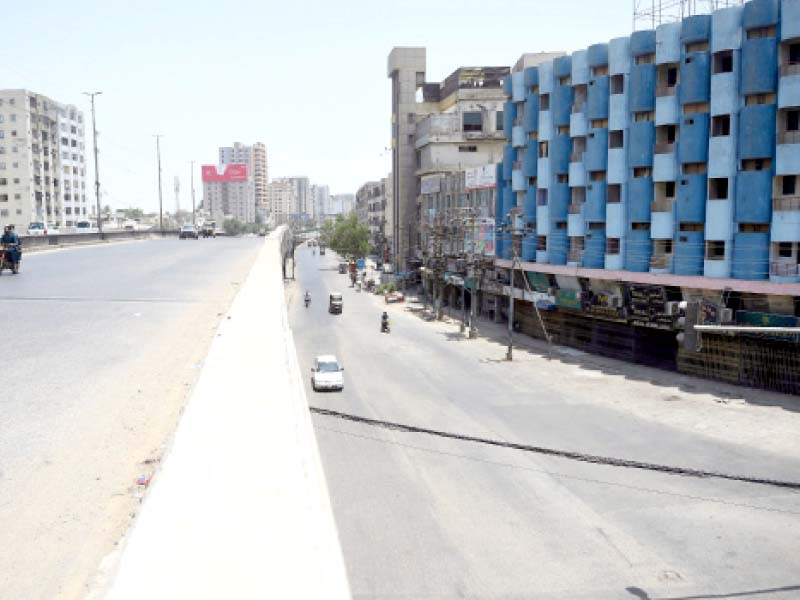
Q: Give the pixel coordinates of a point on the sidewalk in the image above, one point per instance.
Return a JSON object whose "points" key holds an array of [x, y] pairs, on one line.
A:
{"points": [[735, 414], [240, 507]]}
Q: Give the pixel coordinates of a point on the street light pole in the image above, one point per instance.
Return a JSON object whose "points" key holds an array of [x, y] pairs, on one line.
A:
{"points": [[160, 198], [191, 179], [96, 172]]}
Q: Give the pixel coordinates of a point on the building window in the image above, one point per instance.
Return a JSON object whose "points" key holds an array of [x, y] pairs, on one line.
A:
{"points": [[616, 139], [612, 246], [753, 228], [614, 193], [695, 108], [788, 185], [541, 242], [723, 62], [617, 84], [645, 115], [599, 123], [755, 99], [472, 121], [785, 249], [721, 126], [640, 226], [756, 164], [639, 172], [718, 188], [498, 120], [467, 148], [544, 149], [565, 80], [597, 175], [794, 53], [697, 46], [563, 130], [694, 169], [544, 102], [646, 59], [541, 197], [759, 33]]}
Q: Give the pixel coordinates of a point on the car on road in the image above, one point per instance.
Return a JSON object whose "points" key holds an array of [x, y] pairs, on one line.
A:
{"points": [[188, 231], [41, 228], [392, 297], [335, 304], [85, 227], [326, 374]]}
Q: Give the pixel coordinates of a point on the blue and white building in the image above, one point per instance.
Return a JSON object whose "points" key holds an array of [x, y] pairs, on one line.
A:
{"points": [[672, 152]]}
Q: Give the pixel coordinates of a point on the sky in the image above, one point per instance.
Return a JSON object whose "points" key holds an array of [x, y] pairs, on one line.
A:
{"points": [[305, 77]]}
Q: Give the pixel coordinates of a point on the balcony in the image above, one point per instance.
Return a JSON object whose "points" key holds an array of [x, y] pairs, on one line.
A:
{"points": [[790, 69], [578, 107], [516, 165], [661, 205], [664, 147], [575, 208], [576, 156], [575, 255], [789, 137], [660, 261], [665, 90], [784, 269], [784, 203]]}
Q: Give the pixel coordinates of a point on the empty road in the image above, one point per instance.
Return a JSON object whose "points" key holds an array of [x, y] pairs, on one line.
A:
{"points": [[426, 517], [102, 345]]}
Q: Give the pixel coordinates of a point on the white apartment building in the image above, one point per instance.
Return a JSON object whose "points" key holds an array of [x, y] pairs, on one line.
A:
{"points": [[228, 192], [255, 157], [42, 161], [282, 199]]}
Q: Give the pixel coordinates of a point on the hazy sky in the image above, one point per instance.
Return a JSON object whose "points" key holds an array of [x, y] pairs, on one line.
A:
{"points": [[307, 78]]}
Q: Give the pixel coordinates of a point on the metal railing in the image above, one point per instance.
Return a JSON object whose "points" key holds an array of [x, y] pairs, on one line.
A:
{"points": [[575, 255], [575, 208], [664, 147], [660, 261], [661, 205], [665, 90], [516, 165], [783, 269], [576, 156], [786, 203], [789, 137], [790, 69]]}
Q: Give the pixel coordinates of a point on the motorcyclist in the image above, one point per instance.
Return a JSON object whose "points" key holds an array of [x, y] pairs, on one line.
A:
{"points": [[308, 298], [10, 244], [384, 321]]}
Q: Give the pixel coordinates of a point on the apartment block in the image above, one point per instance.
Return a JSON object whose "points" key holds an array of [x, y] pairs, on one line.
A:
{"points": [[673, 152], [255, 157], [437, 129], [228, 192], [282, 199], [42, 161]]}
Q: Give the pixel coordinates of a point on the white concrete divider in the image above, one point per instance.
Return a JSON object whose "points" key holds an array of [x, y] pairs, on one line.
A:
{"points": [[240, 506]]}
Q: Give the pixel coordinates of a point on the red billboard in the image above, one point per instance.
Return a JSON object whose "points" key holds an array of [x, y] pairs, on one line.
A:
{"points": [[236, 172]]}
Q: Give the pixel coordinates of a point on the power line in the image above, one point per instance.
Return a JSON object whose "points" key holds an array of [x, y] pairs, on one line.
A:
{"points": [[568, 454]]}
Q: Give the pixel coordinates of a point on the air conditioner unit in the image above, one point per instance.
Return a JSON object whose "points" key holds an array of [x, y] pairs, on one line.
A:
{"points": [[673, 309], [726, 315]]}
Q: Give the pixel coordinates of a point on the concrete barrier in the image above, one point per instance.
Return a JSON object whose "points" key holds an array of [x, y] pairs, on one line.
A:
{"points": [[240, 507], [32, 243]]}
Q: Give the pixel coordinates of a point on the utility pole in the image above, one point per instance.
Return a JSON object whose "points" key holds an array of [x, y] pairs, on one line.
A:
{"points": [[160, 198], [191, 179], [96, 172]]}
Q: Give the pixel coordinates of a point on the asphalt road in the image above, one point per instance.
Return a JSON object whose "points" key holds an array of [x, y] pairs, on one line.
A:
{"points": [[424, 517], [102, 345]]}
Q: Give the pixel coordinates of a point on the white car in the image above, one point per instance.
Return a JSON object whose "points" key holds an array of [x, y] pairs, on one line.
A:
{"points": [[40, 228], [326, 374]]}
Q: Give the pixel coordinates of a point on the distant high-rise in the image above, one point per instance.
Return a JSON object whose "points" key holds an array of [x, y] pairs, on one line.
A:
{"points": [[42, 162], [255, 157], [228, 192]]}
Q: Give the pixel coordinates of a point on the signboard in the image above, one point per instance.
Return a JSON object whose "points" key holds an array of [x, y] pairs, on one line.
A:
{"points": [[569, 299], [482, 177], [231, 173], [482, 239], [430, 184], [360, 264], [760, 319]]}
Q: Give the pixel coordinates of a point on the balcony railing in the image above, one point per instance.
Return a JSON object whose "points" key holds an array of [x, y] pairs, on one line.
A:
{"points": [[576, 156], [661, 205], [517, 122], [789, 137], [575, 255], [786, 203], [578, 107], [575, 208], [783, 269], [790, 69], [664, 147], [665, 90], [660, 261], [516, 165]]}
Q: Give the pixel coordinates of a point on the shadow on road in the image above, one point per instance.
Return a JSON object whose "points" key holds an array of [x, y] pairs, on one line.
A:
{"points": [[643, 595]]}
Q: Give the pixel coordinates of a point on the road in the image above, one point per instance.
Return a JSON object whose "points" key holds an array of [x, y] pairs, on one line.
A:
{"points": [[103, 344], [425, 517]]}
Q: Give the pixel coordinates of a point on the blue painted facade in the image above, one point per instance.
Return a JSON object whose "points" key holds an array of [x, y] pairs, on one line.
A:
{"points": [[675, 150]]}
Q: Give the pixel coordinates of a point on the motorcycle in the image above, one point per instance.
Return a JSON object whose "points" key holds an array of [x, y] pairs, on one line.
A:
{"points": [[307, 301], [5, 258], [385, 326]]}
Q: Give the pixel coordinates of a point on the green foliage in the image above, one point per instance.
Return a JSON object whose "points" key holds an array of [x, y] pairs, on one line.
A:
{"points": [[235, 227], [133, 213], [326, 233], [349, 238]]}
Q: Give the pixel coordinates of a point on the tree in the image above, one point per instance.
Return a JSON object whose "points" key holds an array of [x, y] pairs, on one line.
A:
{"points": [[350, 238], [233, 227], [326, 233]]}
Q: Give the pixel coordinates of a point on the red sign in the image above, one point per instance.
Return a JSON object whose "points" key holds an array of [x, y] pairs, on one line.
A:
{"points": [[232, 173]]}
